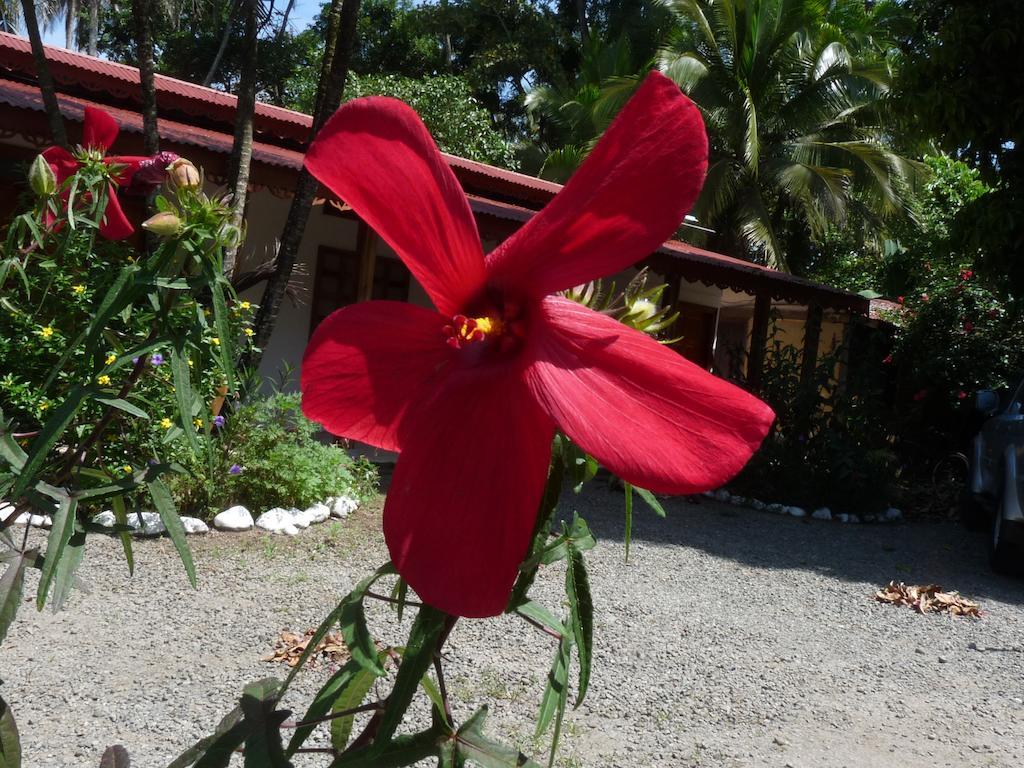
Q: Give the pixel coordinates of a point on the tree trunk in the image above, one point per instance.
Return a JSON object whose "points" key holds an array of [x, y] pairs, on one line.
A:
{"points": [[70, 17], [333, 72], [241, 150], [581, 18], [94, 27], [284, 20], [142, 10], [46, 86], [224, 40]]}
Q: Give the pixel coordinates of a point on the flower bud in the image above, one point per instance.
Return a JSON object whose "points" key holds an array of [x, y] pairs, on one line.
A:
{"points": [[641, 310], [230, 235], [41, 177], [163, 224], [182, 174]]}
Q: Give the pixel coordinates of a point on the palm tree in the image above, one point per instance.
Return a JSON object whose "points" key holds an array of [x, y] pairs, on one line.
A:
{"points": [[793, 93]]}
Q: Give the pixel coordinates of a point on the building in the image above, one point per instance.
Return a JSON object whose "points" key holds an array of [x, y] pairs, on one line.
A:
{"points": [[726, 305]]}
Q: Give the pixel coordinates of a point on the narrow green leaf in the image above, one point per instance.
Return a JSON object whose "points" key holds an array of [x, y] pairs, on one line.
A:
{"points": [[581, 607], [323, 701], [10, 451], [352, 621], [556, 696], [418, 656], [400, 593], [402, 751], [539, 613], [356, 594], [652, 502], [47, 438], [121, 517], [200, 748], [69, 562], [10, 743], [123, 405], [12, 584], [60, 534], [471, 744], [182, 379], [263, 747], [542, 526], [352, 696], [629, 517], [169, 516], [430, 688], [217, 753]]}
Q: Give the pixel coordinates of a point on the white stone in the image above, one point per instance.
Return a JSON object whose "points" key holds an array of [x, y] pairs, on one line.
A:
{"points": [[823, 513], [758, 504], [721, 495], [151, 524], [842, 517], [342, 506], [893, 514], [739, 501], [105, 518], [38, 521], [5, 509], [317, 513], [299, 518], [277, 520], [235, 518], [796, 511], [194, 525], [776, 508], [854, 519]]}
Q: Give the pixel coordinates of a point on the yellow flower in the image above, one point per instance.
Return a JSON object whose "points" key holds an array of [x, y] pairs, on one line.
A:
{"points": [[78, 290], [190, 364], [166, 423], [198, 423], [244, 305], [250, 332], [44, 405], [215, 341], [103, 380], [111, 357], [46, 331], [126, 469]]}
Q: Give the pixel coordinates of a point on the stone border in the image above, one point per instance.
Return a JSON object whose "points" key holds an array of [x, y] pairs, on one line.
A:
{"points": [[891, 515]]}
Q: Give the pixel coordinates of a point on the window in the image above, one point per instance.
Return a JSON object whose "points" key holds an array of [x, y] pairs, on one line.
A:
{"points": [[337, 280]]}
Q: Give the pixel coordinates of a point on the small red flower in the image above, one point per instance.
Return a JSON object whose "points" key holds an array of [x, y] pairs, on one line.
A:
{"points": [[899, 299], [924, 297], [966, 274], [887, 359], [99, 131], [968, 326], [472, 393], [961, 395]]}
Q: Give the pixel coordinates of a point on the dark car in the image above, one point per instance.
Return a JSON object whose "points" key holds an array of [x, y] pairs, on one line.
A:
{"points": [[996, 476]]}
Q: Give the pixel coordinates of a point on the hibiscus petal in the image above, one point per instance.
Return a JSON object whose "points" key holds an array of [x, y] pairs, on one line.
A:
{"points": [[377, 156], [115, 225], [61, 161], [367, 363], [99, 130], [642, 410], [463, 501], [627, 198]]}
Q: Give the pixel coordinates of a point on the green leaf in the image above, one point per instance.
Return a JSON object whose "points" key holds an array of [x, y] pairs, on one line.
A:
{"points": [[10, 744], [581, 608], [263, 748], [652, 502], [402, 751], [183, 394], [11, 586], [418, 656], [222, 324], [581, 467], [69, 562], [400, 593], [115, 757], [542, 615], [10, 451], [217, 753], [352, 620], [60, 534], [357, 595], [228, 724], [629, 517], [123, 405], [323, 701], [542, 526], [169, 516], [351, 697], [43, 443], [556, 695], [121, 517], [471, 744], [430, 688]]}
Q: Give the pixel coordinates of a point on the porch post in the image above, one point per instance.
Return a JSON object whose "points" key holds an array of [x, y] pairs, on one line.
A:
{"points": [[366, 249], [812, 340], [758, 341]]}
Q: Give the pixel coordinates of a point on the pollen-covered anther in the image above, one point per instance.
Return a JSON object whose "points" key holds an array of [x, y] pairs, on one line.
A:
{"points": [[466, 330]]}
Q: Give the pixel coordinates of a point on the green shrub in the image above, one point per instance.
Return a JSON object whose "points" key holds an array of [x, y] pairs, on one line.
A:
{"points": [[267, 455]]}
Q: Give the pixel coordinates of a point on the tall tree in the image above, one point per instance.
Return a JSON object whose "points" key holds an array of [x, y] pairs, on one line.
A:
{"points": [[341, 33], [142, 15], [46, 84], [92, 45]]}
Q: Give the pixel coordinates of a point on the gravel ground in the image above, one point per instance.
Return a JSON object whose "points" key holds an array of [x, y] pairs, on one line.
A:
{"points": [[731, 638]]}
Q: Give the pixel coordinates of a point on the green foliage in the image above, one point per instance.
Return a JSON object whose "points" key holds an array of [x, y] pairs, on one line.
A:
{"points": [[277, 461], [830, 444]]}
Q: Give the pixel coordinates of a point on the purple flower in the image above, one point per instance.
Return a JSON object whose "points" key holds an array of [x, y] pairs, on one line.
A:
{"points": [[135, 361], [235, 469], [218, 422], [156, 359]]}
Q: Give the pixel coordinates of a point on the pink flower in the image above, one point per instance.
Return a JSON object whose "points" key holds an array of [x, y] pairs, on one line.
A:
{"points": [[473, 391]]}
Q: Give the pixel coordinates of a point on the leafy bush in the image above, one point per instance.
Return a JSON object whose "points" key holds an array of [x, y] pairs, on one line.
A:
{"points": [[267, 455], [830, 445]]}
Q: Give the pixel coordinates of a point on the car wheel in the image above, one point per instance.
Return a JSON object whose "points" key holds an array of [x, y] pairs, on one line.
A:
{"points": [[1005, 554]]}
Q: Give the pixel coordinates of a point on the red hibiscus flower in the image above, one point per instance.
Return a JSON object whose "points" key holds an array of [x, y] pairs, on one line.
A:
{"points": [[471, 392], [99, 131]]}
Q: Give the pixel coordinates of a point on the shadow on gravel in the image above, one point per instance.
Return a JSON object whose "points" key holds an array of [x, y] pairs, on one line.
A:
{"points": [[915, 552]]}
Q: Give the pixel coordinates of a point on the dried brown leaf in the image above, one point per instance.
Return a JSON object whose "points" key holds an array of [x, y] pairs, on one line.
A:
{"points": [[927, 598]]}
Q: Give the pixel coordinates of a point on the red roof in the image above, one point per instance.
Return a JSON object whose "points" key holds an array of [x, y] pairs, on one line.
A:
{"points": [[281, 134]]}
